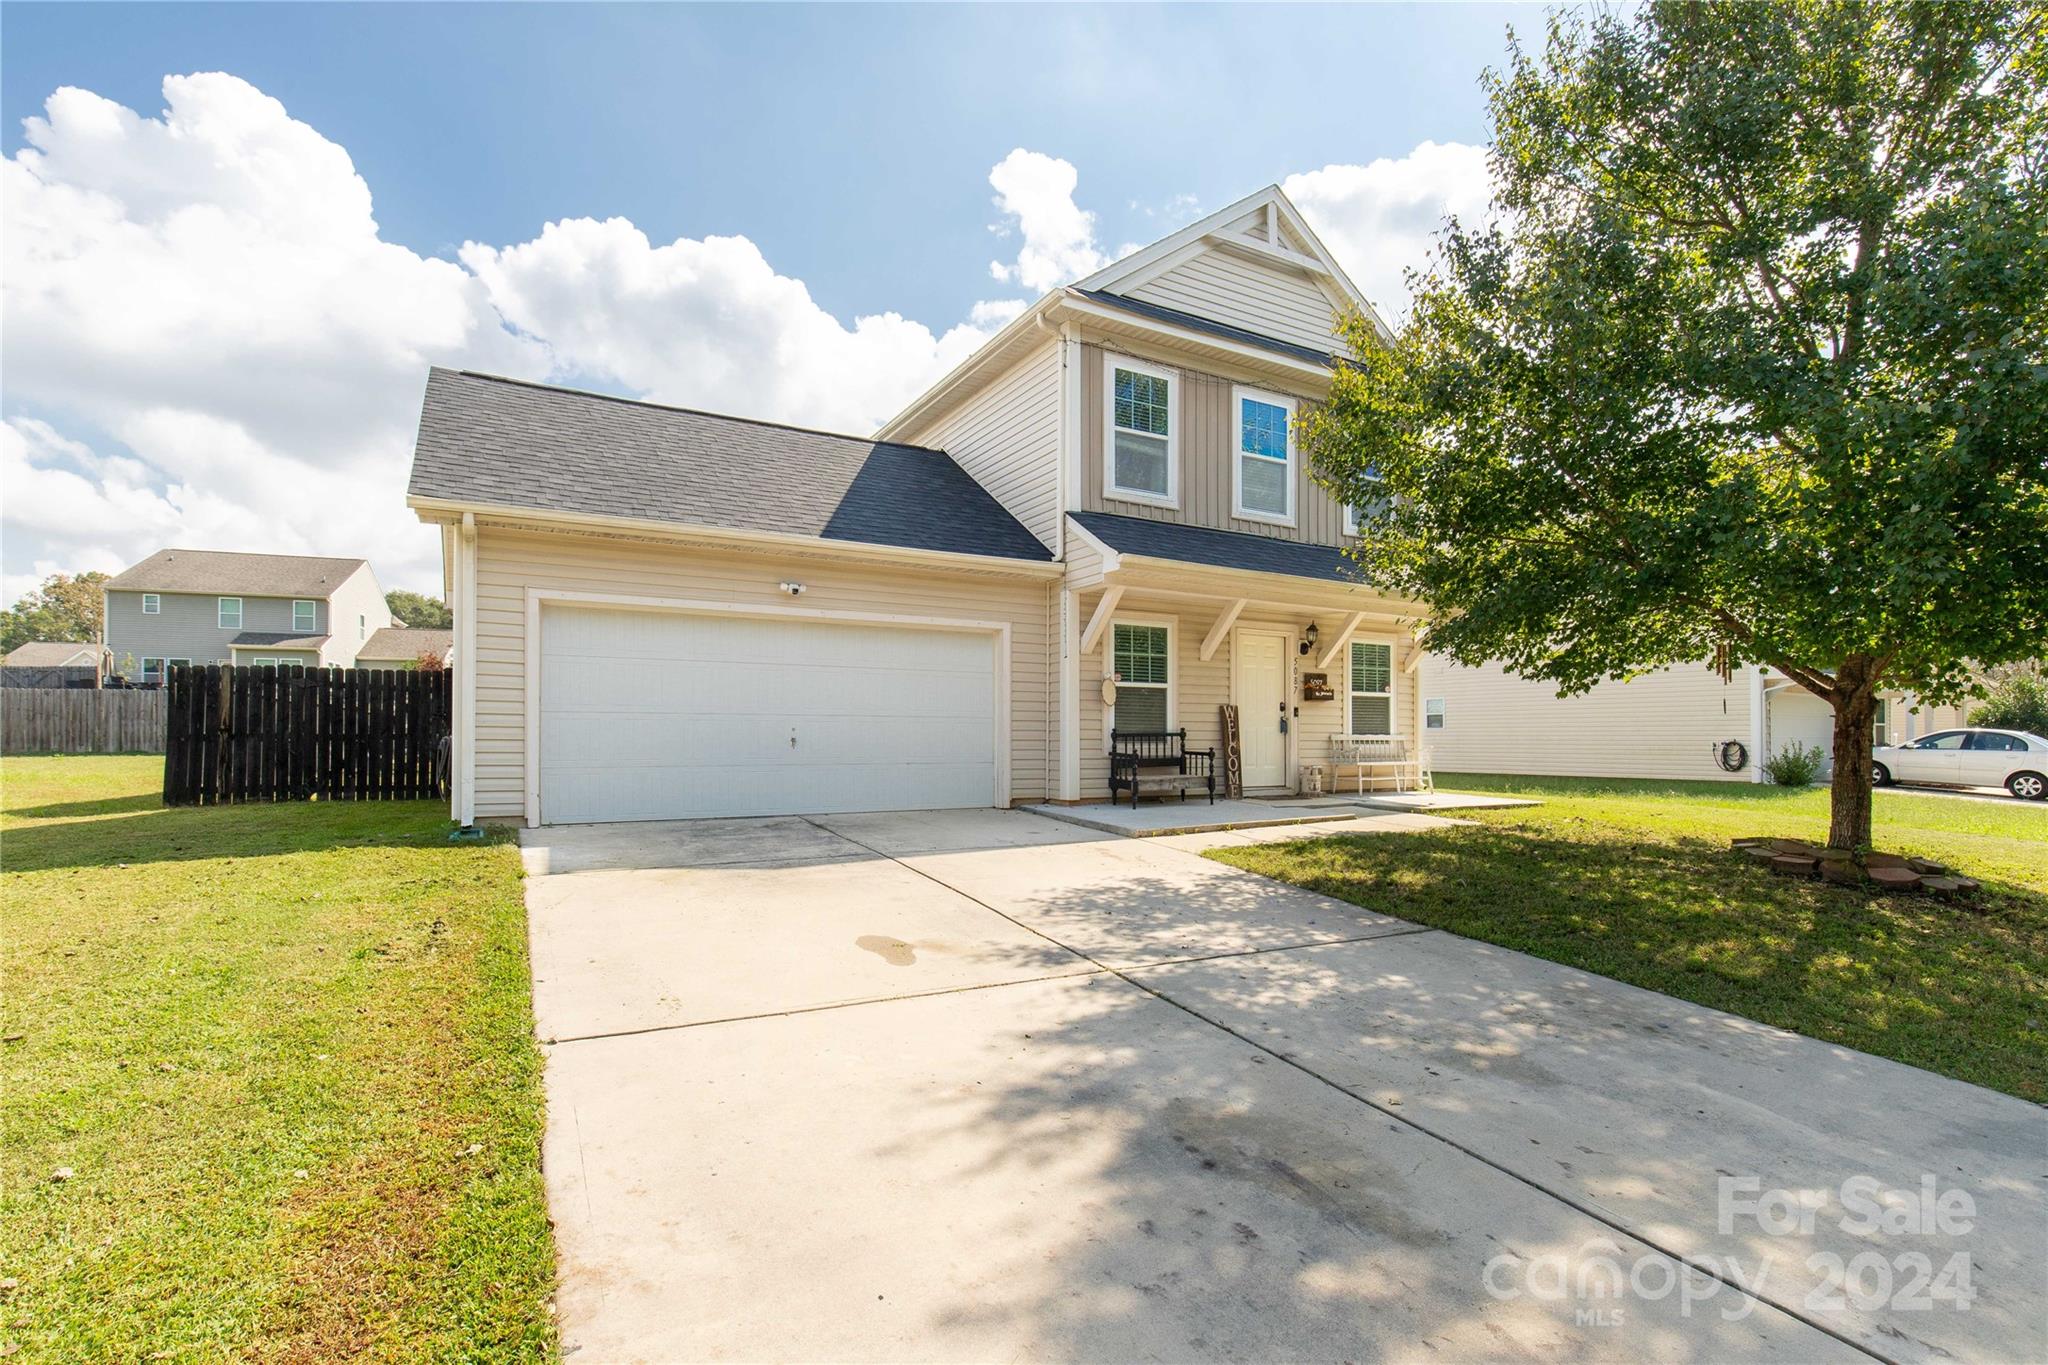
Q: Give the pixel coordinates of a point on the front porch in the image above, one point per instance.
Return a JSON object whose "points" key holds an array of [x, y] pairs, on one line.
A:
{"points": [[1320, 667]]}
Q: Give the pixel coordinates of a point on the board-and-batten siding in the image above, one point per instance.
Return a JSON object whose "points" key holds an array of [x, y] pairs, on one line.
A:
{"points": [[1272, 300], [1201, 687], [1664, 724], [1008, 438], [510, 562], [1208, 449]]}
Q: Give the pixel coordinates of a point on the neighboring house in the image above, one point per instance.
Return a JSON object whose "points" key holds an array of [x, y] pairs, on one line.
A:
{"points": [[666, 613], [216, 606], [1671, 723], [54, 654], [401, 647], [52, 663]]}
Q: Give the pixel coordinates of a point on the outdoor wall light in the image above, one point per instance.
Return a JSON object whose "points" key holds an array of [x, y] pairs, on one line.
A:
{"points": [[1308, 638]]}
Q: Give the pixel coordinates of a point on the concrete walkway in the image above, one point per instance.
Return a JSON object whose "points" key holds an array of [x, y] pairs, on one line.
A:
{"points": [[980, 1085]]}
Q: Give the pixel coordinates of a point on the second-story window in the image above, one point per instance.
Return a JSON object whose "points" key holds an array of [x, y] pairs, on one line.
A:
{"points": [[1354, 517], [303, 617], [230, 609], [1141, 458], [1264, 477], [152, 604]]}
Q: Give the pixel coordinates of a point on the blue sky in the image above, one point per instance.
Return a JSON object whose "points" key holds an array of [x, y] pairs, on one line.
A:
{"points": [[850, 146]]}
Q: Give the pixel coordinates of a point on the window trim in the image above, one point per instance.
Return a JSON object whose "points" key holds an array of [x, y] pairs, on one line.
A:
{"points": [[312, 607], [1239, 394], [362, 628], [1351, 514], [1881, 724], [220, 612], [1111, 490], [162, 666], [152, 604], [1172, 627], [1392, 694], [1441, 715]]}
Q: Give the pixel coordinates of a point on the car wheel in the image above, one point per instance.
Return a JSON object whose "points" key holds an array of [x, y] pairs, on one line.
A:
{"points": [[1880, 776], [2027, 786]]}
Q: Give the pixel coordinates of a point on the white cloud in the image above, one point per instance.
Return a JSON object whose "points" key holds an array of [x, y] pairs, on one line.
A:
{"points": [[1036, 195], [710, 324], [210, 289], [1380, 219]]}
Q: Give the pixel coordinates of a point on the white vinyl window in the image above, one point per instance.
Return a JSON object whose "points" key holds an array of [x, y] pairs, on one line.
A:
{"points": [[305, 617], [1372, 688], [362, 627], [1433, 713], [1881, 723], [229, 613], [1141, 654], [1351, 514], [1262, 477], [1141, 448], [152, 670], [152, 604]]}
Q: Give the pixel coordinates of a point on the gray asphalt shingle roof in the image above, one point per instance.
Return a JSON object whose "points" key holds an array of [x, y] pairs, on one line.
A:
{"points": [[52, 654], [1195, 322], [229, 571], [406, 642], [1218, 549], [277, 639], [508, 443]]}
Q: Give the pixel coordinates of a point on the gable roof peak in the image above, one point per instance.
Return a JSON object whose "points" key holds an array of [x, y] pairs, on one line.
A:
{"points": [[1264, 225]]}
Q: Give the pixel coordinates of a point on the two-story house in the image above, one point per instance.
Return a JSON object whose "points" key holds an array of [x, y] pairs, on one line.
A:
{"points": [[217, 606], [1100, 521]]}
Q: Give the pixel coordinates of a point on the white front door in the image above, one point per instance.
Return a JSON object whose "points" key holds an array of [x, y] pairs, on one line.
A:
{"points": [[1260, 688], [650, 715]]}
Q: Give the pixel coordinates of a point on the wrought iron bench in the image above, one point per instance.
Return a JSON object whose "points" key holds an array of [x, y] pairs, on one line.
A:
{"points": [[1363, 762], [1155, 762]]}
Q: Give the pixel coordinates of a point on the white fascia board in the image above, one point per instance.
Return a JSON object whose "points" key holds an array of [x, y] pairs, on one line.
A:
{"points": [[764, 541], [982, 357], [1112, 560]]}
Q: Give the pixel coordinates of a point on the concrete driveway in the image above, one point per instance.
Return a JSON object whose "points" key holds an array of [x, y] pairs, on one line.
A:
{"points": [[982, 1085]]}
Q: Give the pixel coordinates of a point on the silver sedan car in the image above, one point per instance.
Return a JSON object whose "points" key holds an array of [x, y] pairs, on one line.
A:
{"points": [[2012, 759]]}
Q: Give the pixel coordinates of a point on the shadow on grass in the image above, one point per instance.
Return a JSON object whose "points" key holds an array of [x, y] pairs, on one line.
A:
{"points": [[189, 833], [1908, 977], [75, 810]]}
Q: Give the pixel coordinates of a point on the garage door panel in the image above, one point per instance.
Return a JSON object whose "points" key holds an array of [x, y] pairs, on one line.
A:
{"points": [[648, 715]]}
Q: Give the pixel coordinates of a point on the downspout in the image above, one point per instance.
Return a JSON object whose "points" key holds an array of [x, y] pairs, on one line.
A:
{"points": [[464, 748], [1757, 703]]}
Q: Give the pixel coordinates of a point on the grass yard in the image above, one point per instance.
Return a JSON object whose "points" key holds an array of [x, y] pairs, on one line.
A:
{"points": [[286, 1052], [1635, 880]]}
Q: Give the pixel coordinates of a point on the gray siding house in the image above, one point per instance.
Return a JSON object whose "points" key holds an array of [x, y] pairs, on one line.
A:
{"points": [[217, 606]]}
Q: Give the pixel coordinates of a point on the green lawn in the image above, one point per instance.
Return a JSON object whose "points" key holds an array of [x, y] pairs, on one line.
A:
{"points": [[287, 1053], [1635, 880]]}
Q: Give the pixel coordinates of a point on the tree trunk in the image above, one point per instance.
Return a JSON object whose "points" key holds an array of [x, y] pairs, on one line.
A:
{"points": [[1855, 703]]}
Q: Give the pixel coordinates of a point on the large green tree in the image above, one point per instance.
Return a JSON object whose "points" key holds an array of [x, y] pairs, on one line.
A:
{"points": [[65, 607], [418, 610], [1749, 367]]}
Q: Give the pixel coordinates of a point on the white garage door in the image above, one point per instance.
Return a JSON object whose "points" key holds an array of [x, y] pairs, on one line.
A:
{"points": [[666, 716]]}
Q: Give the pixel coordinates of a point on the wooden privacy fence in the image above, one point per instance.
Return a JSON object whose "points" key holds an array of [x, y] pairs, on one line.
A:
{"points": [[80, 721], [264, 733]]}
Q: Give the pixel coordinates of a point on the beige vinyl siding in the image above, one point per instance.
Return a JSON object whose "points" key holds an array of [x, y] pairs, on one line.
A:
{"points": [[1272, 300], [1208, 450], [511, 561], [1664, 724], [1007, 436], [1201, 688], [359, 597]]}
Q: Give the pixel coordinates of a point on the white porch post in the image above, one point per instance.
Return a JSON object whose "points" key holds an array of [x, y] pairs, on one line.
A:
{"points": [[1069, 788], [1758, 700]]}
